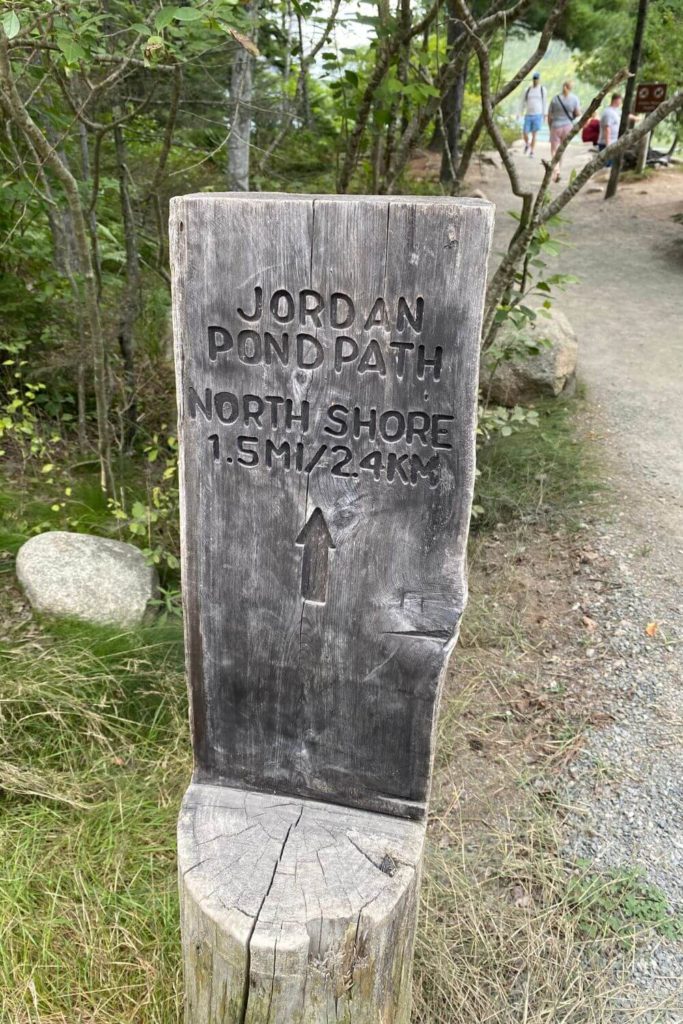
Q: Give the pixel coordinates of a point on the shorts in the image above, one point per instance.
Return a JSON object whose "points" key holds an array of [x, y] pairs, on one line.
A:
{"points": [[533, 122], [559, 133]]}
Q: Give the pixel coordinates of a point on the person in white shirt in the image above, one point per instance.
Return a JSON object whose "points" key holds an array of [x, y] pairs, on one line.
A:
{"points": [[610, 123], [534, 106]]}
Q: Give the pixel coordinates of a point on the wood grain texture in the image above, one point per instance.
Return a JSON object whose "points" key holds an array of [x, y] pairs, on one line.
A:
{"points": [[324, 572], [294, 911]]}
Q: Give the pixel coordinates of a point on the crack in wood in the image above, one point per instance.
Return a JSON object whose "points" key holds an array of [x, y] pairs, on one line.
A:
{"points": [[443, 635], [258, 914]]}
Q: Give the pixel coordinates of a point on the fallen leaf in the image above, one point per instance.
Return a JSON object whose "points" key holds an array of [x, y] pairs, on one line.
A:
{"points": [[589, 623], [245, 42], [651, 628]]}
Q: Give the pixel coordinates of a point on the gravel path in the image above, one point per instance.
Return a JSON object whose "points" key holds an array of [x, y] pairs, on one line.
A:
{"points": [[626, 788]]}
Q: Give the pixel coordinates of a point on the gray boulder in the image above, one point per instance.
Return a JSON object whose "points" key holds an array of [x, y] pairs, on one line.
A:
{"points": [[91, 578], [550, 373]]}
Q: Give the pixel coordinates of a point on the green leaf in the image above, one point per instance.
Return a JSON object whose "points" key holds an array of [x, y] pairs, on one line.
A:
{"points": [[165, 16], [11, 24], [72, 50], [139, 27], [138, 511], [105, 232], [187, 14]]}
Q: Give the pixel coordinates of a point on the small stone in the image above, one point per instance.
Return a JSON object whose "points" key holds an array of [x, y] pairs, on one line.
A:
{"points": [[79, 576]]}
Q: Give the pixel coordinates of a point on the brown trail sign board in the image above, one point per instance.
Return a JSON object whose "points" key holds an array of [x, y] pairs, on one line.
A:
{"points": [[327, 352], [648, 97]]}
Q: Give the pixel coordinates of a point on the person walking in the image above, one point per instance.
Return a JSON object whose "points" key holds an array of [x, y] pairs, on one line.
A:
{"points": [[610, 122], [562, 112], [534, 106]]}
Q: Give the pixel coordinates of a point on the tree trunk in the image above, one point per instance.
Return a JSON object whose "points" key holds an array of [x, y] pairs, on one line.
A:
{"points": [[303, 78], [91, 213], [399, 114], [130, 305], [452, 103], [634, 64], [241, 86]]}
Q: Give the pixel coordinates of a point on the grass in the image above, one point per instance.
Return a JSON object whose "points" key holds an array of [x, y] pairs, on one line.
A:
{"points": [[508, 934], [542, 473], [500, 939], [94, 757]]}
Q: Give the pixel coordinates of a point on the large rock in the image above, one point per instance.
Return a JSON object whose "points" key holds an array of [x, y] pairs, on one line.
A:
{"points": [[550, 373], [90, 578]]}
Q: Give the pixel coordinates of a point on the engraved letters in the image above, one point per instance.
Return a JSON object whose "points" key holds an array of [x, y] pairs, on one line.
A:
{"points": [[307, 331]]}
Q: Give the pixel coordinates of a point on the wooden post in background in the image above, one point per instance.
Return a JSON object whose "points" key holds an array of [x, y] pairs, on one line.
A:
{"points": [[327, 352]]}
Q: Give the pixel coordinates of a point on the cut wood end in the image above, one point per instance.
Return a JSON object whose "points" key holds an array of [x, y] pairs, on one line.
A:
{"points": [[295, 905]]}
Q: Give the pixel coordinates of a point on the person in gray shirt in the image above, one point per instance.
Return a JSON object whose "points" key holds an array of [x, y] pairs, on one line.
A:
{"points": [[562, 112], [610, 123]]}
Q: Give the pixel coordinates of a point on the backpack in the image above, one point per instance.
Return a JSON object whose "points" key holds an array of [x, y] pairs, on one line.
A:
{"points": [[591, 131]]}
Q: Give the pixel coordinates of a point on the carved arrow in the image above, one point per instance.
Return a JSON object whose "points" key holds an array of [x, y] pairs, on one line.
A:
{"points": [[316, 541]]}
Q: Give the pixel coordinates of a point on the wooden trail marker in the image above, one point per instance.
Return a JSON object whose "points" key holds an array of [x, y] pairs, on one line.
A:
{"points": [[326, 352]]}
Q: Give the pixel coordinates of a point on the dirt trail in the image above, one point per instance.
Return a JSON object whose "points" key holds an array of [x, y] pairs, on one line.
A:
{"points": [[628, 314], [627, 784]]}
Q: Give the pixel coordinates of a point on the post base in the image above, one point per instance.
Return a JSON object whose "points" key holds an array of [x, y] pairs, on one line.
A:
{"points": [[294, 911]]}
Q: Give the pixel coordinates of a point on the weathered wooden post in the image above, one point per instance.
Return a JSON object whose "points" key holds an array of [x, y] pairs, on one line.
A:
{"points": [[326, 352]]}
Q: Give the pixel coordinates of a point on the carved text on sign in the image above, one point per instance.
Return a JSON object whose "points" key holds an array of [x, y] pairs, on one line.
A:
{"points": [[258, 415]]}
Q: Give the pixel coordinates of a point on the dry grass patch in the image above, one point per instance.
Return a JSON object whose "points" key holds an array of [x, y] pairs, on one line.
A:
{"points": [[509, 931]]}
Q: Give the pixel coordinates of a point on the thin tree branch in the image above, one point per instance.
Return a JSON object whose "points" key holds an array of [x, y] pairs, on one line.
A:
{"points": [[487, 106], [303, 68], [381, 65], [99, 126], [509, 87], [168, 131]]}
